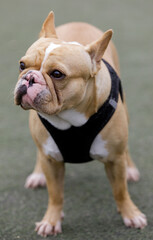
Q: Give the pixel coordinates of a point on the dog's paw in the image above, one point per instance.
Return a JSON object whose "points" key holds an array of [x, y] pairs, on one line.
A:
{"points": [[132, 216], [44, 228], [35, 180], [132, 174], [138, 221]]}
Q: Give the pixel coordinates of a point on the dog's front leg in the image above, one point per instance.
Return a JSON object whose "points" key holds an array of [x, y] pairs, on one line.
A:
{"points": [[116, 171], [51, 223], [37, 178]]}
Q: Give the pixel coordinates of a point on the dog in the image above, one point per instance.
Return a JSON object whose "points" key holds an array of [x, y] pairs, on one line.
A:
{"points": [[69, 80]]}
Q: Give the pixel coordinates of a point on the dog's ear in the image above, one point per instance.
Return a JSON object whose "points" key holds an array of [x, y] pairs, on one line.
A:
{"points": [[96, 49], [48, 27]]}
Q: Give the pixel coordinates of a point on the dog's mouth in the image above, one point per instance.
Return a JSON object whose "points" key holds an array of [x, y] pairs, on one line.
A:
{"points": [[29, 88], [34, 92]]}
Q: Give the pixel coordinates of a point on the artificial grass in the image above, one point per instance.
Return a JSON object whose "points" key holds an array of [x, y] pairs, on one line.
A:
{"points": [[90, 211]]}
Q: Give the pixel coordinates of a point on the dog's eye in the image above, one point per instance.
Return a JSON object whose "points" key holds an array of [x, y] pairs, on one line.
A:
{"points": [[56, 74], [22, 66]]}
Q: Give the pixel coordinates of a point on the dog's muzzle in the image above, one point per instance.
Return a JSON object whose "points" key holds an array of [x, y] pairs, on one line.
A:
{"points": [[31, 84]]}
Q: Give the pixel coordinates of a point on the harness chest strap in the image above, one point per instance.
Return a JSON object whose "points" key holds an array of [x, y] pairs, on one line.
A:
{"points": [[74, 143]]}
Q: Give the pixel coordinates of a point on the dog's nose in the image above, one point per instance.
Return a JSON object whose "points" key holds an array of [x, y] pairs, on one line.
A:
{"points": [[31, 81], [30, 78]]}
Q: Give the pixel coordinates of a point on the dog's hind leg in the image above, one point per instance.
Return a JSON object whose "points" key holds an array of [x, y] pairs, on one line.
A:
{"points": [[36, 178], [132, 172]]}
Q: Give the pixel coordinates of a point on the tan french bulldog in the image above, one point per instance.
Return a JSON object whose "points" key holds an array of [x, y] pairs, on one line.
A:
{"points": [[64, 82]]}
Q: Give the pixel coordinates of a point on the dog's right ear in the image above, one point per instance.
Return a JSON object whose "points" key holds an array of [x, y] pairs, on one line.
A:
{"points": [[48, 27]]}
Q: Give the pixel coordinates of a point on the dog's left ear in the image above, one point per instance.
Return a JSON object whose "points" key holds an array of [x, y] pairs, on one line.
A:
{"points": [[96, 49], [48, 27]]}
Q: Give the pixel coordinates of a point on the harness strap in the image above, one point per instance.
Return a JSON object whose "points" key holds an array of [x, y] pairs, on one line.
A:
{"points": [[114, 75], [74, 143]]}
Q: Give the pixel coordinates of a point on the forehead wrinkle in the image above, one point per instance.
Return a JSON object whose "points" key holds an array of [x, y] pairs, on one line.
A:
{"points": [[53, 46], [49, 49]]}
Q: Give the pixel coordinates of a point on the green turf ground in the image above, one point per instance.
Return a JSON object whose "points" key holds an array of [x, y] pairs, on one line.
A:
{"points": [[89, 206]]}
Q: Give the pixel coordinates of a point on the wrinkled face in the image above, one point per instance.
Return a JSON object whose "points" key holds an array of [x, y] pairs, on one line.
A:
{"points": [[53, 76]]}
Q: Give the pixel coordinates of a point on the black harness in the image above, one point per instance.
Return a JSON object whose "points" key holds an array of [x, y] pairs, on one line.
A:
{"points": [[74, 143]]}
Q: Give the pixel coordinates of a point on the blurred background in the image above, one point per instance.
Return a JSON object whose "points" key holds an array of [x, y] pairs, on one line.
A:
{"points": [[89, 206]]}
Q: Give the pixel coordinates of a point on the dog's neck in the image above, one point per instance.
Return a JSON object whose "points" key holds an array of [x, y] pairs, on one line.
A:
{"points": [[97, 91]]}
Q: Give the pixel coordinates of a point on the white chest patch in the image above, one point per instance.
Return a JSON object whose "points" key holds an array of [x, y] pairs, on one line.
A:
{"points": [[98, 148], [73, 117], [51, 149], [66, 119]]}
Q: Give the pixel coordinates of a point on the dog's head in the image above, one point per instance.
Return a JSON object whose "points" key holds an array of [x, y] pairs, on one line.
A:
{"points": [[55, 75]]}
